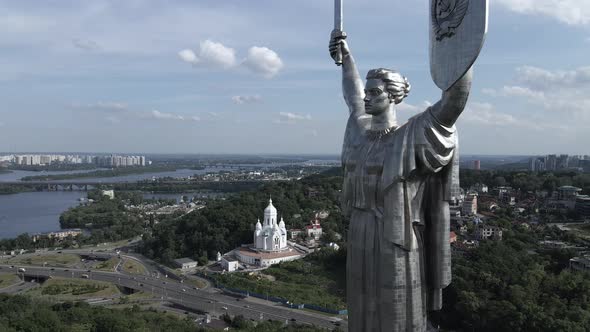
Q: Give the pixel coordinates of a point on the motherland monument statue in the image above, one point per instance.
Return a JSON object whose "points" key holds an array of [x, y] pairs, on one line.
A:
{"points": [[399, 179]]}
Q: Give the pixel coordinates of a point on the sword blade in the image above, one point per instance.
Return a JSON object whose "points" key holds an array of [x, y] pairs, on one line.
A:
{"points": [[338, 15]]}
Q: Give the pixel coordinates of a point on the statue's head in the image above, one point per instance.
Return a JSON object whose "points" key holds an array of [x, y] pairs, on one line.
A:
{"points": [[384, 87]]}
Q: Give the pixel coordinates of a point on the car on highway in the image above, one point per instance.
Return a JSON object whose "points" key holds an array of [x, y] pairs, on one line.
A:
{"points": [[52, 269], [224, 308], [184, 290], [22, 269], [85, 276]]}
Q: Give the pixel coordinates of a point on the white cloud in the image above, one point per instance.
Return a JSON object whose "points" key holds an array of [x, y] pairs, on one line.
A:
{"points": [[485, 114], [240, 100], [558, 90], [217, 54], [103, 106], [155, 114], [87, 45], [294, 116], [112, 119], [572, 12], [263, 61], [515, 91], [291, 118], [188, 56], [543, 79], [210, 54]]}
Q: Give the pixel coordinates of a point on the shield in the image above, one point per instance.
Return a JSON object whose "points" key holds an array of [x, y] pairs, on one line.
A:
{"points": [[457, 32]]}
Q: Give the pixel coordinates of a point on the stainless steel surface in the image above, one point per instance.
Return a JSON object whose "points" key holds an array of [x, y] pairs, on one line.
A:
{"points": [[399, 179], [457, 33], [338, 28], [338, 15]]}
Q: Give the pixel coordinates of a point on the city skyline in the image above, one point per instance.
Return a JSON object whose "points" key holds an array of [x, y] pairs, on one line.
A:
{"points": [[92, 77]]}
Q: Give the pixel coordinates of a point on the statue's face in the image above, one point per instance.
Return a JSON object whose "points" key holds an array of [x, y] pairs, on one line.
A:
{"points": [[376, 97]]}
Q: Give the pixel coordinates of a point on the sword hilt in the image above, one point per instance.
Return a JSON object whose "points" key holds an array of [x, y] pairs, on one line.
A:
{"points": [[338, 34]]}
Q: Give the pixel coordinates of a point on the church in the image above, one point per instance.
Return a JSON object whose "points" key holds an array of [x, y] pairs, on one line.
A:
{"points": [[270, 244], [270, 236]]}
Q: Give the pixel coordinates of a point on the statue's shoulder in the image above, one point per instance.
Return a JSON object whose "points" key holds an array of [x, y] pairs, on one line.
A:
{"points": [[359, 123], [416, 120]]}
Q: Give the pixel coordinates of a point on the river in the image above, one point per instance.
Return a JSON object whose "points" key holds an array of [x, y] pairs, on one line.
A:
{"points": [[34, 212], [39, 212], [180, 173]]}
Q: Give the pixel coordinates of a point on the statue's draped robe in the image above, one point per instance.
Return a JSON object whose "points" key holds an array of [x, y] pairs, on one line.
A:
{"points": [[396, 193]]}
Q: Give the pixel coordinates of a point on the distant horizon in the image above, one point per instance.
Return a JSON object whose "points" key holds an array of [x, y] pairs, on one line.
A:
{"points": [[266, 154]]}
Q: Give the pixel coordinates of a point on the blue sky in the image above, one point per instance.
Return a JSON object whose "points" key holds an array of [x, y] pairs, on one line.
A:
{"points": [[255, 76]]}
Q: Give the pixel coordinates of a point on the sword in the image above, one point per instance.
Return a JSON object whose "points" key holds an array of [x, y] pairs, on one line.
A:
{"points": [[338, 28]]}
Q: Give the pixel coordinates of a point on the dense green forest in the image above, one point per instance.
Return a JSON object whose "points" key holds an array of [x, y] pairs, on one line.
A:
{"points": [[226, 224], [107, 219], [526, 181], [513, 285], [21, 313]]}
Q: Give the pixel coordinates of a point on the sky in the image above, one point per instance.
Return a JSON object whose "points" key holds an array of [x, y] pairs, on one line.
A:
{"points": [[255, 76]]}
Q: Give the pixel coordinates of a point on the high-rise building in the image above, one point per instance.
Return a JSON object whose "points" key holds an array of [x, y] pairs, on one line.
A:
{"points": [[551, 162], [477, 164], [562, 162]]}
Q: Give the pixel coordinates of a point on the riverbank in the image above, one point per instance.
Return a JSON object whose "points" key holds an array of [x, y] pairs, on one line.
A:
{"points": [[101, 173], [53, 167]]}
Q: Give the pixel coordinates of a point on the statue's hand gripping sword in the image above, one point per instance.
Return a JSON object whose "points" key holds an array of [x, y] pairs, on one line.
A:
{"points": [[337, 32]]}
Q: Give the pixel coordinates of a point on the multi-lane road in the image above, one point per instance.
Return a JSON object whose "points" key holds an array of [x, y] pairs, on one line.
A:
{"points": [[172, 291]]}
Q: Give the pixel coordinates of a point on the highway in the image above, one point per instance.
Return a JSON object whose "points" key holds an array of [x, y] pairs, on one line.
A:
{"points": [[185, 295]]}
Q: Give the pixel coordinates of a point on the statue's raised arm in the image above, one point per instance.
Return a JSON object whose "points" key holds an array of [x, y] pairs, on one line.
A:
{"points": [[453, 100], [352, 84]]}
